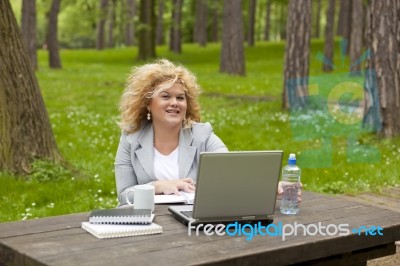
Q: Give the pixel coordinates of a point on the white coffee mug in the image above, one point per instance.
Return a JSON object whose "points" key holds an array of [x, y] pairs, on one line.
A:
{"points": [[143, 197]]}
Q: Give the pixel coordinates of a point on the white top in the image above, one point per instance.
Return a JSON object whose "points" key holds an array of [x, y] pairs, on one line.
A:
{"points": [[166, 167]]}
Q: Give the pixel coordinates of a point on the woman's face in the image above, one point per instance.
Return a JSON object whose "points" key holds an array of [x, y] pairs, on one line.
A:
{"points": [[168, 106]]}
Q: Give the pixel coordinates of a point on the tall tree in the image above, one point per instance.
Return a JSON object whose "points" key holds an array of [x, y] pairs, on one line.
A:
{"points": [[100, 32], [232, 51], [385, 34], [252, 22], [356, 44], [215, 9], [297, 53], [371, 119], [317, 19], [52, 35], [147, 45], [175, 43], [111, 23], [200, 25], [329, 37], [282, 19], [267, 20], [25, 131], [160, 39], [344, 21], [130, 22], [28, 29]]}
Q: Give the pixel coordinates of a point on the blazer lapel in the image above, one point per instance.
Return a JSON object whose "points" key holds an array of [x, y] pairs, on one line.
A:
{"points": [[146, 153], [186, 152]]}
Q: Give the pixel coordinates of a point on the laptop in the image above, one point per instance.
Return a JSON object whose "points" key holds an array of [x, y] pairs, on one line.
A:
{"points": [[233, 186]]}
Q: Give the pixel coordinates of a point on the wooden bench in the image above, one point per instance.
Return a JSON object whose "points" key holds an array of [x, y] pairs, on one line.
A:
{"points": [[60, 240]]}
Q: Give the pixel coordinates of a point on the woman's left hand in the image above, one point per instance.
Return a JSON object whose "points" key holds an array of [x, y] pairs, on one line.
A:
{"points": [[280, 191]]}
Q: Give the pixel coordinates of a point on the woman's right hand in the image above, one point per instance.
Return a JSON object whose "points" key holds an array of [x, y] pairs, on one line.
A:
{"points": [[174, 186]]}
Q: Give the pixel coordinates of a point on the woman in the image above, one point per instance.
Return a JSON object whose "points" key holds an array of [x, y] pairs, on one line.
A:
{"points": [[161, 134]]}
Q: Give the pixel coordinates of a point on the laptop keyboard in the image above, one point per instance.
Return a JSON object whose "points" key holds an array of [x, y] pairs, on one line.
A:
{"points": [[187, 213]]}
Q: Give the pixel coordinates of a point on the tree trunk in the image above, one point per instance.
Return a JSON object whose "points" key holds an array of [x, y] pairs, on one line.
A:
{"points": [[160, 39], [52, 35], [130, 22], [344, 21], [329, 37], [232, 51], [356, 37], [385, 34], [267, 21], [111, 23], [343, 9], [101, 24], [25, 131], [297, 53], [317, 19], [175, 44], [371, 120], [200, 26], [282, 19], [28, 29], [215, 21], [251, 25], [147, 45]]}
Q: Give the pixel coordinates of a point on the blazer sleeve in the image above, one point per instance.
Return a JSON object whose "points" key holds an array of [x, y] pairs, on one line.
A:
{"points": [[215, 144], [125, 176]]}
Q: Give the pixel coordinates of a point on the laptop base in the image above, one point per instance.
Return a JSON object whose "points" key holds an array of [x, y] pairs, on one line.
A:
{"points": [[195, 223]]}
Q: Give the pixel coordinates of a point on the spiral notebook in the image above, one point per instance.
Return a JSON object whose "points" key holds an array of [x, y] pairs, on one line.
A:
{"points": [[121, 230], [121, 216]]}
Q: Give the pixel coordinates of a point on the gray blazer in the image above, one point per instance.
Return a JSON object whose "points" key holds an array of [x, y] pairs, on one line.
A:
{"points": [[134, 160]]}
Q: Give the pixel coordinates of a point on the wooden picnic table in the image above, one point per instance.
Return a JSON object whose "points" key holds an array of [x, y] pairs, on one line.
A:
{"points": [[61, 241]]}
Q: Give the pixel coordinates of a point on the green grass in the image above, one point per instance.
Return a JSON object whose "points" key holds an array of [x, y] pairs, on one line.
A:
{"points": [[82, 102]]}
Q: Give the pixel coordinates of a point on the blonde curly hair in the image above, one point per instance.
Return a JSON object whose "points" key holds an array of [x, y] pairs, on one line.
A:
{"points": [[144, 81]]}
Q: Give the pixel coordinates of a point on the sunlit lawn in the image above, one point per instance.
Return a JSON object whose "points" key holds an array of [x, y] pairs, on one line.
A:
{"points": [[82, 102]]}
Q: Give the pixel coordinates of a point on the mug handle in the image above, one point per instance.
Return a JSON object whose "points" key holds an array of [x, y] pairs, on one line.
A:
{"points": [[127, 196]]}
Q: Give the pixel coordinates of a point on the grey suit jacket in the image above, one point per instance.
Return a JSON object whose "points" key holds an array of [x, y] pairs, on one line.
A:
{"points": [[134, 162]]}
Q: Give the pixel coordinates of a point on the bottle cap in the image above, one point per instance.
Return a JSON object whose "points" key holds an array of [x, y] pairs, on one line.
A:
{"points": [[292, 159]]}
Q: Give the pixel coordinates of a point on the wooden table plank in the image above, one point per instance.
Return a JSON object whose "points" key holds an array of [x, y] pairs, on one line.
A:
{"points": [[41, 225], [61, 241]]}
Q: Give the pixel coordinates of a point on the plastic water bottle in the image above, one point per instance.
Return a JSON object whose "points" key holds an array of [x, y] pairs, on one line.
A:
{"points": [[291, 185]]}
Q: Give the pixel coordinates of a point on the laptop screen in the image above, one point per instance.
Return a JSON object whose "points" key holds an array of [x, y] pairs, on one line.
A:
{"points": [[237, 184]]}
